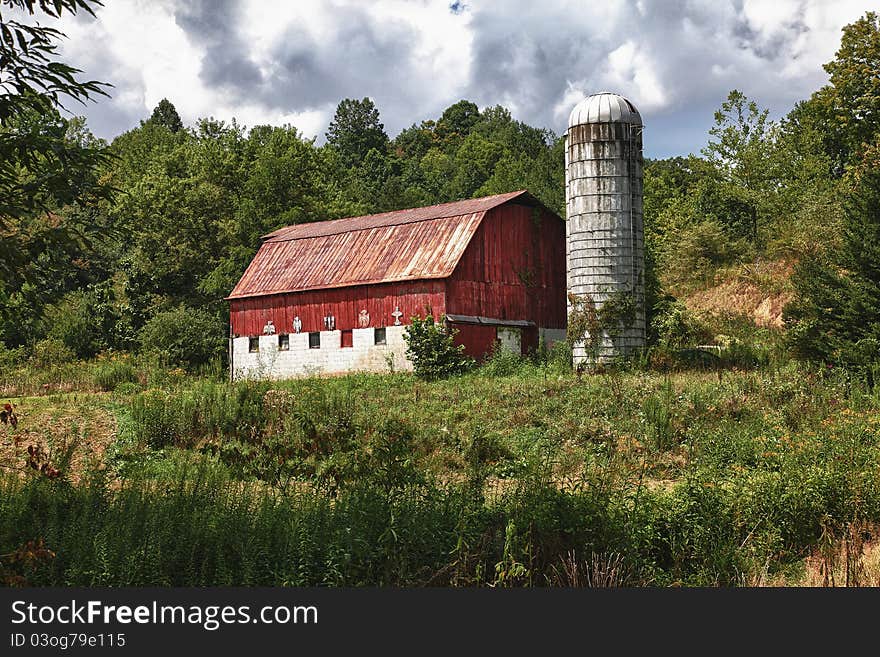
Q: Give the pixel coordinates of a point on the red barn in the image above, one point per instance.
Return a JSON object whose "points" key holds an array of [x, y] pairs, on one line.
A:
{"points": [[335, 296]]}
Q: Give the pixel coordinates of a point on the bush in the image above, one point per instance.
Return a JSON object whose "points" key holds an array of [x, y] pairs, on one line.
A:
{"points": [[504, 362], [127, 388], [10, 358], [556, 358], [696, 253], [185, 337], [108, 375], [677, 327], [51, 351], [181, 418], [431, 348], [82, 322]]}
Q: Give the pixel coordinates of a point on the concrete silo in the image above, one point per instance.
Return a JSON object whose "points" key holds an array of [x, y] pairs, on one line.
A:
{"points": [[604, 228]]}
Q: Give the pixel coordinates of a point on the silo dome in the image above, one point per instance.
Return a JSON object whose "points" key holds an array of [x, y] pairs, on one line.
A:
{"points": [[604, 107]]}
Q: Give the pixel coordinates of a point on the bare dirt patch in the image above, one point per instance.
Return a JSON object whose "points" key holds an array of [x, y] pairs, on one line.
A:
{"points": [[757, 291]]}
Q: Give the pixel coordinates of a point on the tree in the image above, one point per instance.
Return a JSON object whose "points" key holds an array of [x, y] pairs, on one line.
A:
{"points": [[166, 114], [415, 141], [835, 316], [457, 121], [355, 129], [40, 168], [846, 111], [474, 162], [739, 147]]}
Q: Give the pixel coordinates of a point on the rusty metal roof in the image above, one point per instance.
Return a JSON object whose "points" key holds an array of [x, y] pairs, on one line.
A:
{"points": [[418, 243]]}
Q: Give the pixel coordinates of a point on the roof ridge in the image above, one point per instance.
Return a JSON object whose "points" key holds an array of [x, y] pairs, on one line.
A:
{"points": [[281, 238], [278, 235]]}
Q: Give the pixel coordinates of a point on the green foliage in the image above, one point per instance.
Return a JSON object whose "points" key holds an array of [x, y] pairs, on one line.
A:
{"points": [[457, 121], [51, 352], [165, 114], [845, 112], [184, 337], [160, 418], [700, 251], [82, 321], [10, 358], [627, 478], [431, 347], [590, 325], [835, 316], [677, 328], [41, 169], [88, 274], [504, 362], [659, 420], [355, 129], [113, 373]]}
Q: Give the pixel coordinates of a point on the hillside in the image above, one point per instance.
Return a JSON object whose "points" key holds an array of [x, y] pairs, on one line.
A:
{"points": [[516, 474]]}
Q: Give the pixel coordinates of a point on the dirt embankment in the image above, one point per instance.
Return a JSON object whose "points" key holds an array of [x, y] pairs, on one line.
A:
{"points": [[758, 291]]}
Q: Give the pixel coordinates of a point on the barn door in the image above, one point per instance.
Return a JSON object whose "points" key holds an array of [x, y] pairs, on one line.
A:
{"points": [[529, 340]]}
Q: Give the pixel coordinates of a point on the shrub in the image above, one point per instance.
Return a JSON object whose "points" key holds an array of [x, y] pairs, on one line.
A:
{"points": [[82, 322], [185, 337], [556, 358], [694, 254], [183, 417], [835, 315], [677, 327], [504, 362], [10, 358], [127, 388], [431, 347], [51, 351], [108, 375]]}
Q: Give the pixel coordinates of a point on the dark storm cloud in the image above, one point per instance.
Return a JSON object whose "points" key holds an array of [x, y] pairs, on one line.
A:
{"points": [[696, 52], [215, 24], [363, 59]]}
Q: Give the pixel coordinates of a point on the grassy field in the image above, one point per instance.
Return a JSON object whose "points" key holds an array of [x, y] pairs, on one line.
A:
{"points": [[518, 474]]}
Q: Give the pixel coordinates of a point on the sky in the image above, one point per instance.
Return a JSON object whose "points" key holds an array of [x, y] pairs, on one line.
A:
{"points": [[292, 61]]}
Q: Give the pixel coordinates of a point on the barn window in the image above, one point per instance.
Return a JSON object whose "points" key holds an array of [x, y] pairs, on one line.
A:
{"points": [[314, 340], [347, 339], [253, 345], [283, 342], [379, 336]]}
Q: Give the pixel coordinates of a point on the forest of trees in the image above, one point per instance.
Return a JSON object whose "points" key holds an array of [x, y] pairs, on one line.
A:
{"points": [[122, 246]]}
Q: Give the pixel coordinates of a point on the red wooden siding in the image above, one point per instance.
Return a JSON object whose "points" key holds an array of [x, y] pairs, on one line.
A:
{"points": [[513, 268], [477, 339], [250, 315]]}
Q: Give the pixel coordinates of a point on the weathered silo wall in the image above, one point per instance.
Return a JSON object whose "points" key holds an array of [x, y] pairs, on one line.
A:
{"points": [[604, 228]]}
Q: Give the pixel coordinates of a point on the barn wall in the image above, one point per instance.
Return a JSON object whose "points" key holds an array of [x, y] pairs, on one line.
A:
{"points": [[249, 316], [514, 268], [330, 358], [476, 338]]}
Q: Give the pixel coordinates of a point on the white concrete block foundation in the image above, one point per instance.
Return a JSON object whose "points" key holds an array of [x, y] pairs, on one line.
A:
{"points": [[330, 358]]}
